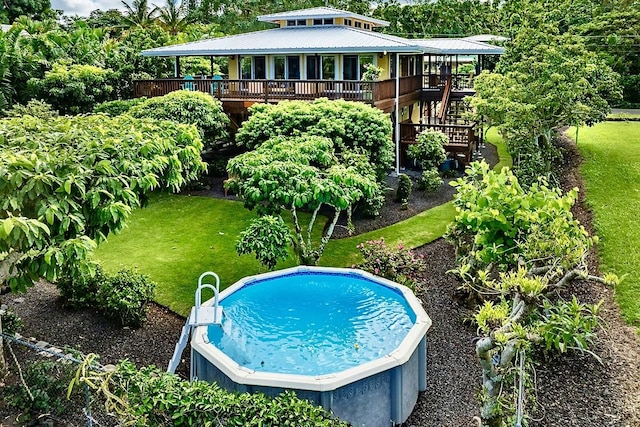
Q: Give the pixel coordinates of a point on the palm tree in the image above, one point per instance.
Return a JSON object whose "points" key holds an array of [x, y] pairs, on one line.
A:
{"points": [[138, 13], [173, 18]]}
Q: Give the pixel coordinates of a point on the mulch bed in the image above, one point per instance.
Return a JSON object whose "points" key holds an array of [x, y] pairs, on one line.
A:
{"points": [[573, 390]]}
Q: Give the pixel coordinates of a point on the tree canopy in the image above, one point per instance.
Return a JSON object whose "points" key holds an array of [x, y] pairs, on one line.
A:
{"points": [[350, 125], [543, 81], [67, 182], [302, 173]]}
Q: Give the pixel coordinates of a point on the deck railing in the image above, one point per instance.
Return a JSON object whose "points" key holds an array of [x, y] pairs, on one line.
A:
{"points": [[461, 136], [458, 81], [276, 90]]}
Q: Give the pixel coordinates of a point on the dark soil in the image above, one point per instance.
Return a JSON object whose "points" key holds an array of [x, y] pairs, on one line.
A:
{"points": [[573, 390]]}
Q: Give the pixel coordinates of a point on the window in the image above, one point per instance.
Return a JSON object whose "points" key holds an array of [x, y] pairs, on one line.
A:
{"points": [[296, 22], [293, 67], [259, 67], [354, 66], [253, 67], [350, 69], [321, 67], [363, 60], [367, 26], [358, 24], [328, 67], [279, 65], [245, 67], [286, 67], [347, 22], [323, 21]]}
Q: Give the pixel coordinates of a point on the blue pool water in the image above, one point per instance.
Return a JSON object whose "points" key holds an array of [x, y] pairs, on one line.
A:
{"points": [[311, 323]]}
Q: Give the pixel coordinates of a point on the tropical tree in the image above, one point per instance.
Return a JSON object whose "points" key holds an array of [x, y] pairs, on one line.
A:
{"points": [[304, 173], [543, 81], [138, 13], [35, 9], [173, 17], [67, 182], [350, 125], [516, 250]]}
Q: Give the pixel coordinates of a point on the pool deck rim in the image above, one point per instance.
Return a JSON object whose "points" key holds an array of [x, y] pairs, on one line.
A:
{"points": [[328, 382]]}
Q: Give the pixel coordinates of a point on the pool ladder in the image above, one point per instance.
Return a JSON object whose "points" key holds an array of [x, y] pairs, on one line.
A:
{"points": [[207, 315]]}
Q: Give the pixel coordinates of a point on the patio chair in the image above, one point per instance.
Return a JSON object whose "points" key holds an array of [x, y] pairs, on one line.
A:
{"points": [[188, 84]]}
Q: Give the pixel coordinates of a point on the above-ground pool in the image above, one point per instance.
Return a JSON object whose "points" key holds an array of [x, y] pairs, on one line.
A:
{"points": [[345, 339]]}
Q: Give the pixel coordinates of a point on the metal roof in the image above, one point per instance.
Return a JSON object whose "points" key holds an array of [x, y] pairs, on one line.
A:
{"points": [[487, 38], [311, 39], [319, 12], [459, 47]]}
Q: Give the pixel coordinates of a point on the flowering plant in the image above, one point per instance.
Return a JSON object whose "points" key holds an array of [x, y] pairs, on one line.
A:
{"points": [[399, 264]]}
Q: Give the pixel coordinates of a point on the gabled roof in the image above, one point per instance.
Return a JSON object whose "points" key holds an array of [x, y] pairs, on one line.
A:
{"points": [[459, 47], [319, 12], [312, 39]]}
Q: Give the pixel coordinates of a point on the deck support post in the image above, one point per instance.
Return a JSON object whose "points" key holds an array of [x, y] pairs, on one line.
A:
{"points": [[176, 67], [397, 114]]}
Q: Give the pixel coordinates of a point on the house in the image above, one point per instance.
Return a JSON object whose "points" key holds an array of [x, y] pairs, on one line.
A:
{"points": [[323, 52]]}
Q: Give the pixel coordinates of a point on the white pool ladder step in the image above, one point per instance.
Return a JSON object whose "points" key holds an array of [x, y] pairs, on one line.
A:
{"points": [[207, 315]]}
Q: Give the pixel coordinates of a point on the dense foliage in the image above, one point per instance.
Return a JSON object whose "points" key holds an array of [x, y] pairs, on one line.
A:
{"points": [[190, 107], [35, 108], [67, 182], [47, 381], [268, 237], [302, 173], [124, 297], [74, 89], [428, 150], [152, 397], [515, 250], [118, 106], [350, 125], [545, 81]]}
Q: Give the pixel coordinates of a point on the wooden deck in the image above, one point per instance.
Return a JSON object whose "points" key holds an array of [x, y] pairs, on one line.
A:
{"points": [[238, 95], [381, 94], [462, 137]]}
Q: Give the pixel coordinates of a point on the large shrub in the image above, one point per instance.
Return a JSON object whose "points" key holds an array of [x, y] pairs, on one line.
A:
{"points": [[118, 106], [73, 89], [124, 297], [67, 182], [189, 107], [35, 108], [428, 150], [348, 124], [79, 287], [151, 397], [500, 224]]}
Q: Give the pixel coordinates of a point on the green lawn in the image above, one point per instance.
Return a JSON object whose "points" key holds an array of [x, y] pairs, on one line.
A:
{"points": [[612, 174], [176, 238]]}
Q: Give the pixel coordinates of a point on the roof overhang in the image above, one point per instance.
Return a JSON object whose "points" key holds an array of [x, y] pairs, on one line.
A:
{"points": [[300, 40]]}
